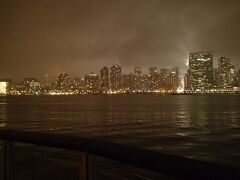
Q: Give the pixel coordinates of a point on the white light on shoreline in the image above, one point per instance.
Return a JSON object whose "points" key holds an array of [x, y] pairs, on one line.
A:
{"points": [[3, 87]]}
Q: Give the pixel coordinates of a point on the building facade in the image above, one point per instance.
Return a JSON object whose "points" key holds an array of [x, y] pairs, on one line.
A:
{"points": [[200, 71], [92, 83], [137, 79], [226, 73], [104, 79], [116, 77], [174, 79], [153, 79], [63, 82]]}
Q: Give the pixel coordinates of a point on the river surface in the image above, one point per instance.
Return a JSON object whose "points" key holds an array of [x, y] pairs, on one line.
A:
{"points": [[199, 127]]}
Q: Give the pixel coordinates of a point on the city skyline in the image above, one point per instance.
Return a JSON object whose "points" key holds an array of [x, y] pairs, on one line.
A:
{"points": [[201, 77], [49, 37], [119, 89], [130, 69]]}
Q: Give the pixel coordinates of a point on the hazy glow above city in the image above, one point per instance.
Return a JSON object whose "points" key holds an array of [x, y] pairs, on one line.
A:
{"points": [[50, 37]]}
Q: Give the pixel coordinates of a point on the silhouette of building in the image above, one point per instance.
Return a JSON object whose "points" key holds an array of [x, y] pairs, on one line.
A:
{"points": [[164, 79], [238, 77], [116, 77], [104, 79], [187, 81], [215, 77], [153, 79], [174, 79], [137, 79], [92, 83], [63, 82]]}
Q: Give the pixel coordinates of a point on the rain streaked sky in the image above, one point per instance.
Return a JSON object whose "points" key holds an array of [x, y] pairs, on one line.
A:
{"points": [[39, 37]]}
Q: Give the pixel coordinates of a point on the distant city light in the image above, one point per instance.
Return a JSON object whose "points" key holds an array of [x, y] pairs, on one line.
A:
{"points": [[201, 77], [180, 90], [3, 87]]}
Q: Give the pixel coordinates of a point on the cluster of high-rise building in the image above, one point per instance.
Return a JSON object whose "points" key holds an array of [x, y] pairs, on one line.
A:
{"points": [[113, 81], [108, 81], [201, 77]]}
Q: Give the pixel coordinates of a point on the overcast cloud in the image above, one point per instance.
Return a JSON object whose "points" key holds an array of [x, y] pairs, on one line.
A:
{"points": [[39, 37]]}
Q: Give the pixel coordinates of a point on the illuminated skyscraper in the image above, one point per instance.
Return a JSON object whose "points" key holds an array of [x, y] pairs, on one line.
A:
{"points": [[187, 81], [165, 72], [215, 77], [165, 78], [144, 83], [201, 71], [137, 78], [116, 77], [92, 83], [128, 82], [153, 78], [104, 79], [174, 79], [226, 72], [63, 82]]}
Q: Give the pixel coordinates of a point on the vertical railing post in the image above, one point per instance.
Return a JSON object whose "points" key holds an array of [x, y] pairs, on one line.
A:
{"points": [[2, 160], [9, 160], [86, 166], [83, 167]]}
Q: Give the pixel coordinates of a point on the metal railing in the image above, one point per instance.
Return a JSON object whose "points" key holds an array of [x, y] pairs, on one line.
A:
{"points": [[34, 155]]}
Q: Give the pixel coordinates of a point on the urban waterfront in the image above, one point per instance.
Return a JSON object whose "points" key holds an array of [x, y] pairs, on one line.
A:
{"points": [[201, 77], [98, 90], [205, 127]]}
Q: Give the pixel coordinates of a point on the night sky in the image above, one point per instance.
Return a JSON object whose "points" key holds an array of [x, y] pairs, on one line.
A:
{"points": [[39, 37]]}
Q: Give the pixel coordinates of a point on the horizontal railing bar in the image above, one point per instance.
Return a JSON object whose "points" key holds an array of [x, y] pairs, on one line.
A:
{"points": [[171, 165]]}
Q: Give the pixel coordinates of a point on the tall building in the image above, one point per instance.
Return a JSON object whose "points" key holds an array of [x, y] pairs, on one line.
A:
{"points": [[116, 77], [174, 79], [92, 83], [226, 72], [215, 77], [128, 82], [63, 82], [104, 79], [187, 81], [200, 71], [153, 79], [137, 78], [144, 83], [165, 77], [238, 77]]}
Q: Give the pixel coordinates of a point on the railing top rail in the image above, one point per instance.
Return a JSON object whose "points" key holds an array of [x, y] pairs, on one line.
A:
{"points": [[172, 165]]}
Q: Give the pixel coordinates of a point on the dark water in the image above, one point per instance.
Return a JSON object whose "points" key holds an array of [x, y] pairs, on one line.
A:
{"points": [[200, 127]]}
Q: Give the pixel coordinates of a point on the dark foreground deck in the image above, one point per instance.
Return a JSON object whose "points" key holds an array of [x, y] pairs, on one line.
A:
{"points": [[37, 156]]}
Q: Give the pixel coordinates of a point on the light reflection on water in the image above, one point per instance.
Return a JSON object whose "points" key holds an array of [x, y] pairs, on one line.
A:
{"points": [[203, 127]]}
